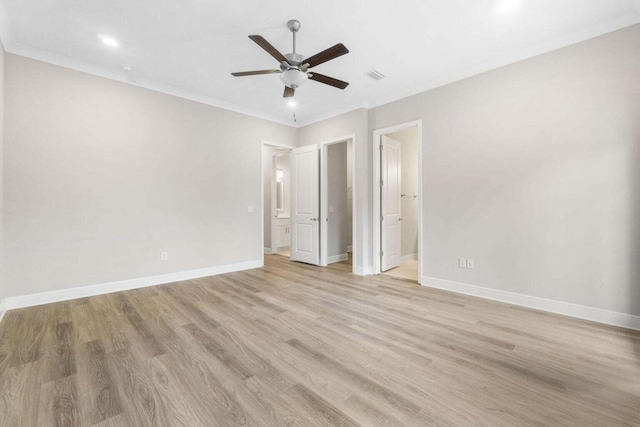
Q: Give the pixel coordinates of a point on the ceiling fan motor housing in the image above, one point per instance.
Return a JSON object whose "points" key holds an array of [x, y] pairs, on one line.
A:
{"points": [[294, 78], [291, 75], [295, 59]]}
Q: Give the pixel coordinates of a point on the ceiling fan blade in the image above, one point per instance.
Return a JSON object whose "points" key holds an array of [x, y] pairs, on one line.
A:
{"points": [[328, 80], [269, 48], [288, 92], [255, 73], [326, 55]]}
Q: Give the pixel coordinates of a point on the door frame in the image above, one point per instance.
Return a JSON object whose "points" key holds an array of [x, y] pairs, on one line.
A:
{"points": [[324, 197], [272, 204], [377, 224]]}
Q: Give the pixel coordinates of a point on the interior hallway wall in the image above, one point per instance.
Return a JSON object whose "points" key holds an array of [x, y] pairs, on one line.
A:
{"points": [[3, 292], [338, 227]]}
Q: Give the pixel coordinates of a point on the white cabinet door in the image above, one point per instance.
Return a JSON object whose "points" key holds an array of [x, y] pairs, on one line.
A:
{"points": [[305, 205], [390, 172], [282, 236]]}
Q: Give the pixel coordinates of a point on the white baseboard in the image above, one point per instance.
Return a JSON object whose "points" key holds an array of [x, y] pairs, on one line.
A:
{"points": [[267, 251], [106, 288], [553, 306], [362, 271], [337, 258], [349, 249], [407, 258]]}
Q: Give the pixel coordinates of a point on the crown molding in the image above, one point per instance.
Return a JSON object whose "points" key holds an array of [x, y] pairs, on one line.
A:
{"points": [[521, 55], [6, 36], [70, 63]]}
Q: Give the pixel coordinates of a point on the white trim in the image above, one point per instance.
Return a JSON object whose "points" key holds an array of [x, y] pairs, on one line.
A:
{"points": [[377, 135], [324, 196], [337, 258], [349, 248], [407, 258], [362, 271], [6, 33], [267, 251], [106, 288], [96, 70], [553, 306], [7, 36], [557, 43]]}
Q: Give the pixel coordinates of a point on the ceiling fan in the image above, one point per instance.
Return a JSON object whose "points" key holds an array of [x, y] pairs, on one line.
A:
{"points": [[294, 68]]}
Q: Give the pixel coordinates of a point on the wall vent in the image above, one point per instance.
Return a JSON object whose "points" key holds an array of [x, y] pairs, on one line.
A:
{"points": [[375, 75]]}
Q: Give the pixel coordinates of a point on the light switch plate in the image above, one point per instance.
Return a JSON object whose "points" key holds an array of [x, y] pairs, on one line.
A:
{"points": [[251, 209], [470, 264], [462, 262]]}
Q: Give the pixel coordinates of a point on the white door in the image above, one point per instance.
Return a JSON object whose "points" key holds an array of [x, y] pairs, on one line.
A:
{"points": [[390, 174], [305, 205]]}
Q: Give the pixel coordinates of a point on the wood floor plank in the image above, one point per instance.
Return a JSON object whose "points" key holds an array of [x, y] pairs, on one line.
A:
{"points": [[58, 404], [99, 399], [294, 344]]}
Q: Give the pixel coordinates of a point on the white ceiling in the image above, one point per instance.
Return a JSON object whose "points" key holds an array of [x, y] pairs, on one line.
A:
{"points": [[189, 48]]}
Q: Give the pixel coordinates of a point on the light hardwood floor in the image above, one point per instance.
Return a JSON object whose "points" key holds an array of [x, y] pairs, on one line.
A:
{"points": [[292, 344]]}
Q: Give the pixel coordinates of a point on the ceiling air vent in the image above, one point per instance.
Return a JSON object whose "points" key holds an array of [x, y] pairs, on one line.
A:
{"points": [[375, 75]]}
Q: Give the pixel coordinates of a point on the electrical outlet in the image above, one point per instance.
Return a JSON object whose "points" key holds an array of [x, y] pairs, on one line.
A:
{"points": [[470, 264], [164, 255], [251, 209], [462, 262]]}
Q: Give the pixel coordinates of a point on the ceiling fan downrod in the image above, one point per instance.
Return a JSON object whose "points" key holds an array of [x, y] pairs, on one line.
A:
{"points": [[294, 26]]}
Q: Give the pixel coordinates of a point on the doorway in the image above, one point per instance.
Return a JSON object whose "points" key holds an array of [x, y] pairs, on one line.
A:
{"points": [[276, 201], [397, 201], [337, 203]]}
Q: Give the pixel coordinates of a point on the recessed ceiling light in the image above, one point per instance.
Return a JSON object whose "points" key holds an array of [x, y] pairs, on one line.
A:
{"points": [[109, 41], [292, 103], [506, 7]]}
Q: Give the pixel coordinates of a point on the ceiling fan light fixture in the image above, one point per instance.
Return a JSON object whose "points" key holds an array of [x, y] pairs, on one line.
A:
{"points": [[294, 78]]}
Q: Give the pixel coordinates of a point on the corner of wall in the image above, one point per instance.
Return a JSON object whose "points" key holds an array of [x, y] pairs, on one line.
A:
{"points": [[2, 132]]}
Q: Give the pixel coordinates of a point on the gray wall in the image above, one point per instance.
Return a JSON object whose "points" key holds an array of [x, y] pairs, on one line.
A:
{"points": [[338, 227], [532, 171], [408, 140], [3, 291], [100, 177]]}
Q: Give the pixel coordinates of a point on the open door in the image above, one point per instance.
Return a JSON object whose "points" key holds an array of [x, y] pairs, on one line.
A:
{"points": [[390, 209], [305, 205]]}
